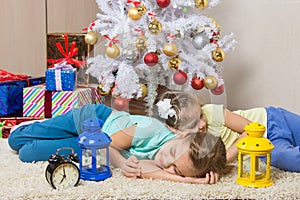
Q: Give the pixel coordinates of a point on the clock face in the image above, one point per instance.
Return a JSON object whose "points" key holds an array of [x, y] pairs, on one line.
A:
{"points": [[65, 175]]}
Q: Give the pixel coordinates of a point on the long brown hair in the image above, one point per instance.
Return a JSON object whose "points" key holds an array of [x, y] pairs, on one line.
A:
{"points": [[208, 153]]}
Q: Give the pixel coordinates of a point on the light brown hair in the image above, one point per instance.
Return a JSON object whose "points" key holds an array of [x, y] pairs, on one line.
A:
{"points": [[187, 110], [208, 153]]}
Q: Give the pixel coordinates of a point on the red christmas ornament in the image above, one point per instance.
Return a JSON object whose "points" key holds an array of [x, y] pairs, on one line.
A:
{"points": [[163, 3], [120, 104], [180, 77], [219, 90], [151, 59], [197, 83]]}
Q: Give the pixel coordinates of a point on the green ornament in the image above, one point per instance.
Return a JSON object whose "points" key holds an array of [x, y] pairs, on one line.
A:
{"points": [[184, 9]]}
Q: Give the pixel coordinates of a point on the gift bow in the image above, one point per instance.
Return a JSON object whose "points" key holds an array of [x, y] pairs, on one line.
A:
{"points": [[58, 67], [135, 3], [165, 108], [112, 40], [68, 56]]}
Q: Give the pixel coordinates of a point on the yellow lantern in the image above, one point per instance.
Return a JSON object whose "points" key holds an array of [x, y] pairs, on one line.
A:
{"points": [[252, 172]]}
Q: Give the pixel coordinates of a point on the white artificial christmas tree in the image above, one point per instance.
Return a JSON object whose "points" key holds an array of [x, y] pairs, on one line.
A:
{"points": [[157, 42]]}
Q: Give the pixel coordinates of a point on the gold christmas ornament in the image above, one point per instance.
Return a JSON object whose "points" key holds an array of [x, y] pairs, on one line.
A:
{"points": [[112, 51], [141, 9], [201, 4], [174, 63], [218, 54], [101, 91], [91, 38], [134, 14], [144, 90], [210, 82], [154, 27], [170, 49], [141, 42]]}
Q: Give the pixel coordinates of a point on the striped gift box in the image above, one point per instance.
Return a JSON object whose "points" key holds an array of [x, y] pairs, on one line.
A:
{"points": [[35, 100]]}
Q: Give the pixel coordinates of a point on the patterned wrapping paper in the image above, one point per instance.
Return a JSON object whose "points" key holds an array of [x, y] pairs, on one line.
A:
{"points": [[11, 95], [38, 102], [67, 79], [6, 123]]}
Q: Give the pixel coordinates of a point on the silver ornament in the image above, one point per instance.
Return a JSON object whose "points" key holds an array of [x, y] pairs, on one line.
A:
{"points": [[131, 54], [200, 40]]}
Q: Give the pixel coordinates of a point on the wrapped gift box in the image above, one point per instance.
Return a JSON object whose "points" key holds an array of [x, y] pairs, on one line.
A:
{"points": [[38, 102], [11, 95], [84, 51], [61, 79], [6, 123]]}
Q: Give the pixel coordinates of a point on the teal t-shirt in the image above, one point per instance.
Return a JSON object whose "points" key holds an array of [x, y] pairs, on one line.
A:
{"points": [[148, 138]]}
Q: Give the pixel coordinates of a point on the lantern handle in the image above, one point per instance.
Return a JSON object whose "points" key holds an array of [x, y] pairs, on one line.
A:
{"points": [[65, 148]]}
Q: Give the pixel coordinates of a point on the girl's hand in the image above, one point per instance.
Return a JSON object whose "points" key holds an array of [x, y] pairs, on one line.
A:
{"points": [[131, 168], [210, 178]]}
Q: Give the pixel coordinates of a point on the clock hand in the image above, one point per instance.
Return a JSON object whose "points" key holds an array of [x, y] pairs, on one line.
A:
{"points": [[64, 175], [64, 171]]}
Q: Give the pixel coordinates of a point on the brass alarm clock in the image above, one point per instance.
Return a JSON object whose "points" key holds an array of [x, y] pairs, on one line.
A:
{"points": [[62, 172]]}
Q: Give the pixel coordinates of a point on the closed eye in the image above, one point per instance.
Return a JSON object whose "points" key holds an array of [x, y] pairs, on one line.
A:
{"points": [[177, 171], [172, 152]]}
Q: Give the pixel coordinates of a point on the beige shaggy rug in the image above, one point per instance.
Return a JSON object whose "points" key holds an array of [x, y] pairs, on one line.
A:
{"points": [[27, 181]]}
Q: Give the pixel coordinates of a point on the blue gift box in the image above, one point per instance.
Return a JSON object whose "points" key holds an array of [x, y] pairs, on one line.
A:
{"points": [[61, 79], [11, 95]]}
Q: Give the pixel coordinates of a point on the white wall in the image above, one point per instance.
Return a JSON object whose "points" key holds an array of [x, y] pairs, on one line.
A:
{"points": [[265, 66], [263, 70]]}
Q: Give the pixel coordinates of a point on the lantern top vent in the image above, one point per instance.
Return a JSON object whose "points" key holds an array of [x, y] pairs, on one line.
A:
{"points": [[254, 142], [93, 136]]}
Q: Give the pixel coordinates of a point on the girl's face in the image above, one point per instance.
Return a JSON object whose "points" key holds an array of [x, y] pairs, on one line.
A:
{"points": [[202, 128], [174, 157]]}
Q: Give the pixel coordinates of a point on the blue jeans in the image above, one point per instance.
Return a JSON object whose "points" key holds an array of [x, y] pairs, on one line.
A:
{"points": [[284, 133], [39, 140]]}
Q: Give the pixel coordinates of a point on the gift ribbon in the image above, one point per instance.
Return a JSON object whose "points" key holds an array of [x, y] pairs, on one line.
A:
{"points": [[58, 67], [7, 76], [48, 100], [67, 55], [48, 104]]}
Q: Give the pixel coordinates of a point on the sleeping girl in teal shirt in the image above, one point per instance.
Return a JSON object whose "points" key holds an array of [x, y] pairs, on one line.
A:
{"points": [[140, 140]]}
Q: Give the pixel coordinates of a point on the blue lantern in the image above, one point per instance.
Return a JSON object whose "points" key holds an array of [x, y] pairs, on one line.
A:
{"points": [[94, 151]]}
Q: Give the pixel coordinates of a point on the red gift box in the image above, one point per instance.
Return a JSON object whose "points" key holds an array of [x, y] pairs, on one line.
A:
{"points": [[6, 123]]}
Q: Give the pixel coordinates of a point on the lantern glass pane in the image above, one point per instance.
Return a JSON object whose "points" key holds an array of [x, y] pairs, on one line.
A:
{"points": [[253, 164], [86, 158], [260, 172], [101, 159], [245, 165]]}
